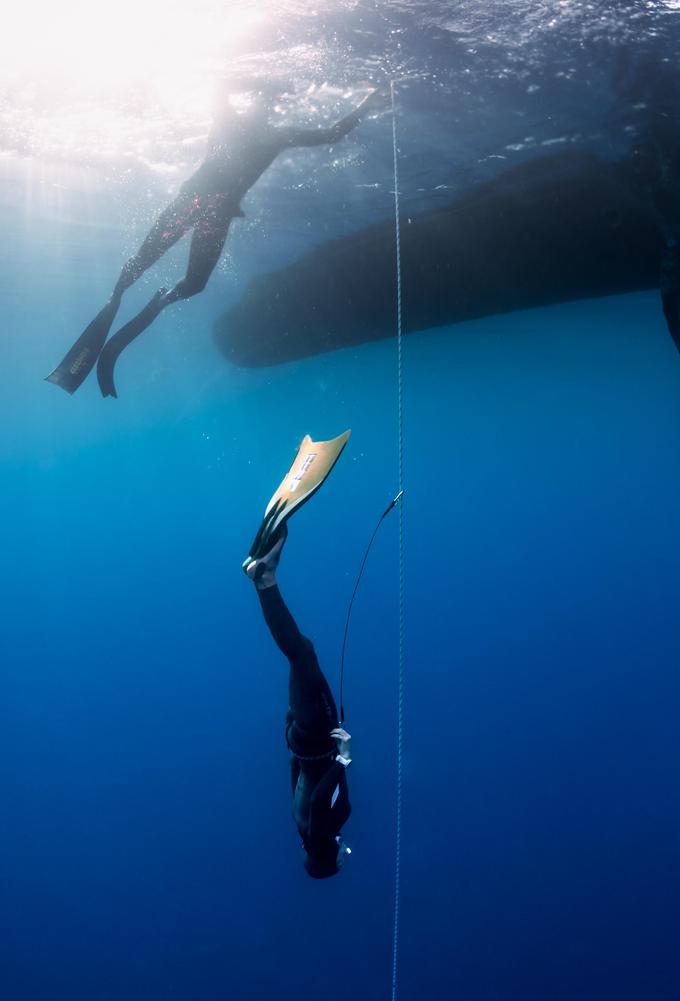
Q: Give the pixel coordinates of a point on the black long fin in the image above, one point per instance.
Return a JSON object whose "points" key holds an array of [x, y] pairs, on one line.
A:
{"points": [[121, 339], [77, 364]]}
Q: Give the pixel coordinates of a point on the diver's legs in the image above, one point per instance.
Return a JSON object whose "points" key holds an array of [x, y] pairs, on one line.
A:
{"points": [[207, 244], [310, 698], [210, 233], [313, 709], [79, 361], [176, 220]]}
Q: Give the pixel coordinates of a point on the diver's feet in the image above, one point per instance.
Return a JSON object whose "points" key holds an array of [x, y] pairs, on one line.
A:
{"points": [[262, 571]]}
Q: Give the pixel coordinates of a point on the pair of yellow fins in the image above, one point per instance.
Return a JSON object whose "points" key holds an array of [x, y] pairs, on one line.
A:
{"points": [[312, 464]]}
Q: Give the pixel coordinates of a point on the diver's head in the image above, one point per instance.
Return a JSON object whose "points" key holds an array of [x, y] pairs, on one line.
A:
{"points": [[328, 861], [319, 868]]}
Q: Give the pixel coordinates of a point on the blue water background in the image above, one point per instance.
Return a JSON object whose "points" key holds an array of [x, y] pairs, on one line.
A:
{"points": [[147, 848]]}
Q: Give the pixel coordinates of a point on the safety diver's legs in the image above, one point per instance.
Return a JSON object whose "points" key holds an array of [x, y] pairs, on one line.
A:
{"points": [[79, 361], [170, 226], [207, 243]]}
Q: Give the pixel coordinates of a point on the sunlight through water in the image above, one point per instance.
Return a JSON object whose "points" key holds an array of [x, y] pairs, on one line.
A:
{"points": [[78, 77]]}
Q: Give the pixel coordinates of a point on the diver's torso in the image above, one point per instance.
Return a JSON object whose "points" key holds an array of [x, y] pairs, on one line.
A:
{"points": [[235, 160], [311, 773]]}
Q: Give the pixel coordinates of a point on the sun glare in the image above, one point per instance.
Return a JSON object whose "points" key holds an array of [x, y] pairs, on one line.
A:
{"points": [[92, 43], [63, 64]]}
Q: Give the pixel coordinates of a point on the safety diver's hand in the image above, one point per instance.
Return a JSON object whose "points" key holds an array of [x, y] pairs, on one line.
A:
{"points": [[343, 740]]}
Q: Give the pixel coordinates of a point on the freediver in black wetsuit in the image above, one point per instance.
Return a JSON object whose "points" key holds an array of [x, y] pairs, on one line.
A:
{"points": [[320, 749], [240, 148]]}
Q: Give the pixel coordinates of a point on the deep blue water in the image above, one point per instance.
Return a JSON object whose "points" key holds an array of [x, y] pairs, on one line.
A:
{"points": [[146, 845]]}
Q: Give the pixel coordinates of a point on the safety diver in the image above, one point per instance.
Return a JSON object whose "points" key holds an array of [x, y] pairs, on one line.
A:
{"points": [[241, 146]]}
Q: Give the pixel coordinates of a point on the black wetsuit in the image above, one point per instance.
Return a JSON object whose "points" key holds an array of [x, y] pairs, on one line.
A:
{"points": [[320, 796]]}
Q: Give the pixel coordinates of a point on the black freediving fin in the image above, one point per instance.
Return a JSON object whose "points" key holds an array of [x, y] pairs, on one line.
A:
{"points": [[312, 464], [77, 364], [121, 339]]}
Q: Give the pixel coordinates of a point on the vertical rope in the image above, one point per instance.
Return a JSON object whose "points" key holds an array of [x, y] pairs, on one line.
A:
{"points": [[400, 461]]}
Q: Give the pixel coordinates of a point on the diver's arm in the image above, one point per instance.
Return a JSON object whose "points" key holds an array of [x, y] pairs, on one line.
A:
{"points": [[321, 137]]}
